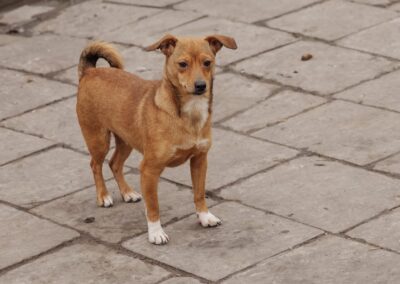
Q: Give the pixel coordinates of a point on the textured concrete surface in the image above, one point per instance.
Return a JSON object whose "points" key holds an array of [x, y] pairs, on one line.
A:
{"points": [[304, 170]]}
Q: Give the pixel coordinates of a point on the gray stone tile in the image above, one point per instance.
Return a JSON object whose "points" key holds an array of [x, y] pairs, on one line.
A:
{"points": [[250, 39], [395, 7], [383, 231], [85, 263], [382, 92], [322, 193], [233, 93], [123, 219], [42, 54], [391, 165], [57, 122], [244, 11], [370, 40], [245, 237], [6, 39], [155, 3], [93, 19], [21, 92], [273, 110], [330, 70], [23, 14], [20, 238], [15, 145], [45, 176], [329, 260], [332, 19], [374, 2], [148, 65], [232, 156], [342, 130], [151, 29], [181, 280]]}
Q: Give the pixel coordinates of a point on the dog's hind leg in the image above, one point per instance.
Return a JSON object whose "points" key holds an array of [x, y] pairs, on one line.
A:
{"points": [[121, 153]]}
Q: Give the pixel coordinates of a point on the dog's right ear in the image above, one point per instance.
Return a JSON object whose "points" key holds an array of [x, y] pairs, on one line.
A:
{"points": [[166, 44]]}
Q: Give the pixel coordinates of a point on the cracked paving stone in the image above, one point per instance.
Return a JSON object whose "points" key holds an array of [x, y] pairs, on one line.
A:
{"points": [[329, 260], [331, 69], [45, 176], [155, 3], [244, 11], [342, 130], [42, 54], [370, 40], [390, 165], [245, 237], [123, 219], [382, 92], [15, 145], [273, 110], [21, 238], [85, 263], [332, 19], [151, 29], [23, 14], [22, 92], [319, 192], [383, 231], [92, 19], [249, 38], [232, 156]]}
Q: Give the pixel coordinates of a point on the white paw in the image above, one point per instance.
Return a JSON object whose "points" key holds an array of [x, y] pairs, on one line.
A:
{"points": [[156, 233], [208, 220], [131, 197], [107, 201]]}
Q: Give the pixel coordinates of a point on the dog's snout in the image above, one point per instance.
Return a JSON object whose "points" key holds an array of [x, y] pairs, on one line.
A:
{"points": [[199, 87]]}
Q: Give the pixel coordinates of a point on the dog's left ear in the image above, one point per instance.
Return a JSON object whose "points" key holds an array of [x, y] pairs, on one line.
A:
{"points": [[166, 44], [217, 41]]}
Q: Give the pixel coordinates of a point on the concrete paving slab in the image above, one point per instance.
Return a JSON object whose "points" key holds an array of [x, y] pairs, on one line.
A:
{"points": [[248, 11], [23, 14], [391, 165], [331, 69], [250, 38], [332, 19], [216, 252], [6, 39], [321, 193], [369, 40], [92, 19], [382, 92], [347, 131], [22, 92], [57, 122], [329, 260], [234, 155], [42, 54], [273, 110], [86, 263], [374, 2], [45, 176], [181, 280], [123, 219], [15, 145], [21, 239], [155, 3]]}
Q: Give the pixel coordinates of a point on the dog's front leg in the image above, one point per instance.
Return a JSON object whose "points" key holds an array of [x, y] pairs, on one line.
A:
{"points": [[149, 183], [198, 170]]}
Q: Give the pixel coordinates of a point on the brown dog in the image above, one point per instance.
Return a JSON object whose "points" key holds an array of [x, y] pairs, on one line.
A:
{"points": [[168, 121]]}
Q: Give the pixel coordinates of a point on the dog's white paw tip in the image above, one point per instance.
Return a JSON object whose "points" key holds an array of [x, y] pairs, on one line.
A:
{"points": [[207, 219], [107, 201], [131, 197], [157, 235]]}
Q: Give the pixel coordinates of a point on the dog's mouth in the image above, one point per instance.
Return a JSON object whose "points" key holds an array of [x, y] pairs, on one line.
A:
{"points": [[198, 93]]}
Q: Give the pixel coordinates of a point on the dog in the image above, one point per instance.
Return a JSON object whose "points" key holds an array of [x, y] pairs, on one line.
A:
{"points": [[168, 121]]}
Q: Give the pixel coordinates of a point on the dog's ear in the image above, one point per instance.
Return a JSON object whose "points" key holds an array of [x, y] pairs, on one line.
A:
{"points": [[166, 44], [217, 41]]}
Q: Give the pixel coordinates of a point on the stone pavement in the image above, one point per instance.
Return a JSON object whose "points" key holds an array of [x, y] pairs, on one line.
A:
{"points": [[304, 169]]}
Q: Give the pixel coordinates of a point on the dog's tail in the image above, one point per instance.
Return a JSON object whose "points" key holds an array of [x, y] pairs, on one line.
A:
{"points": [[96, 50]]}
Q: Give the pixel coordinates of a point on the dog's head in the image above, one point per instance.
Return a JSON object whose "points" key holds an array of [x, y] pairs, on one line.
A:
{"points": [[190, 62]]}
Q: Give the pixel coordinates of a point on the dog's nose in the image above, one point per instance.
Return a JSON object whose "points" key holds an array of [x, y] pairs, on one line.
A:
{"points": [[199, 87]]}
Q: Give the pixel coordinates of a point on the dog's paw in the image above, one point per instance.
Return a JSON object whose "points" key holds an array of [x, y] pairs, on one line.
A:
{"points": [[207, 219], [157, 235], [131, 197], [106, 201]]}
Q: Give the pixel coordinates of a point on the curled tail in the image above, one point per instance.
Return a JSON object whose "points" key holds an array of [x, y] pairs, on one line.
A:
{"points": [[96, 50]]}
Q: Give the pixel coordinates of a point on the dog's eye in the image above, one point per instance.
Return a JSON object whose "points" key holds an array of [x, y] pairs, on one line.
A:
{"points": [[207, 63], [183, 64]]}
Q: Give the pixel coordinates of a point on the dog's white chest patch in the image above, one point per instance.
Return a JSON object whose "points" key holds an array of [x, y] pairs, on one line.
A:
{"points": [[197, 110]]}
